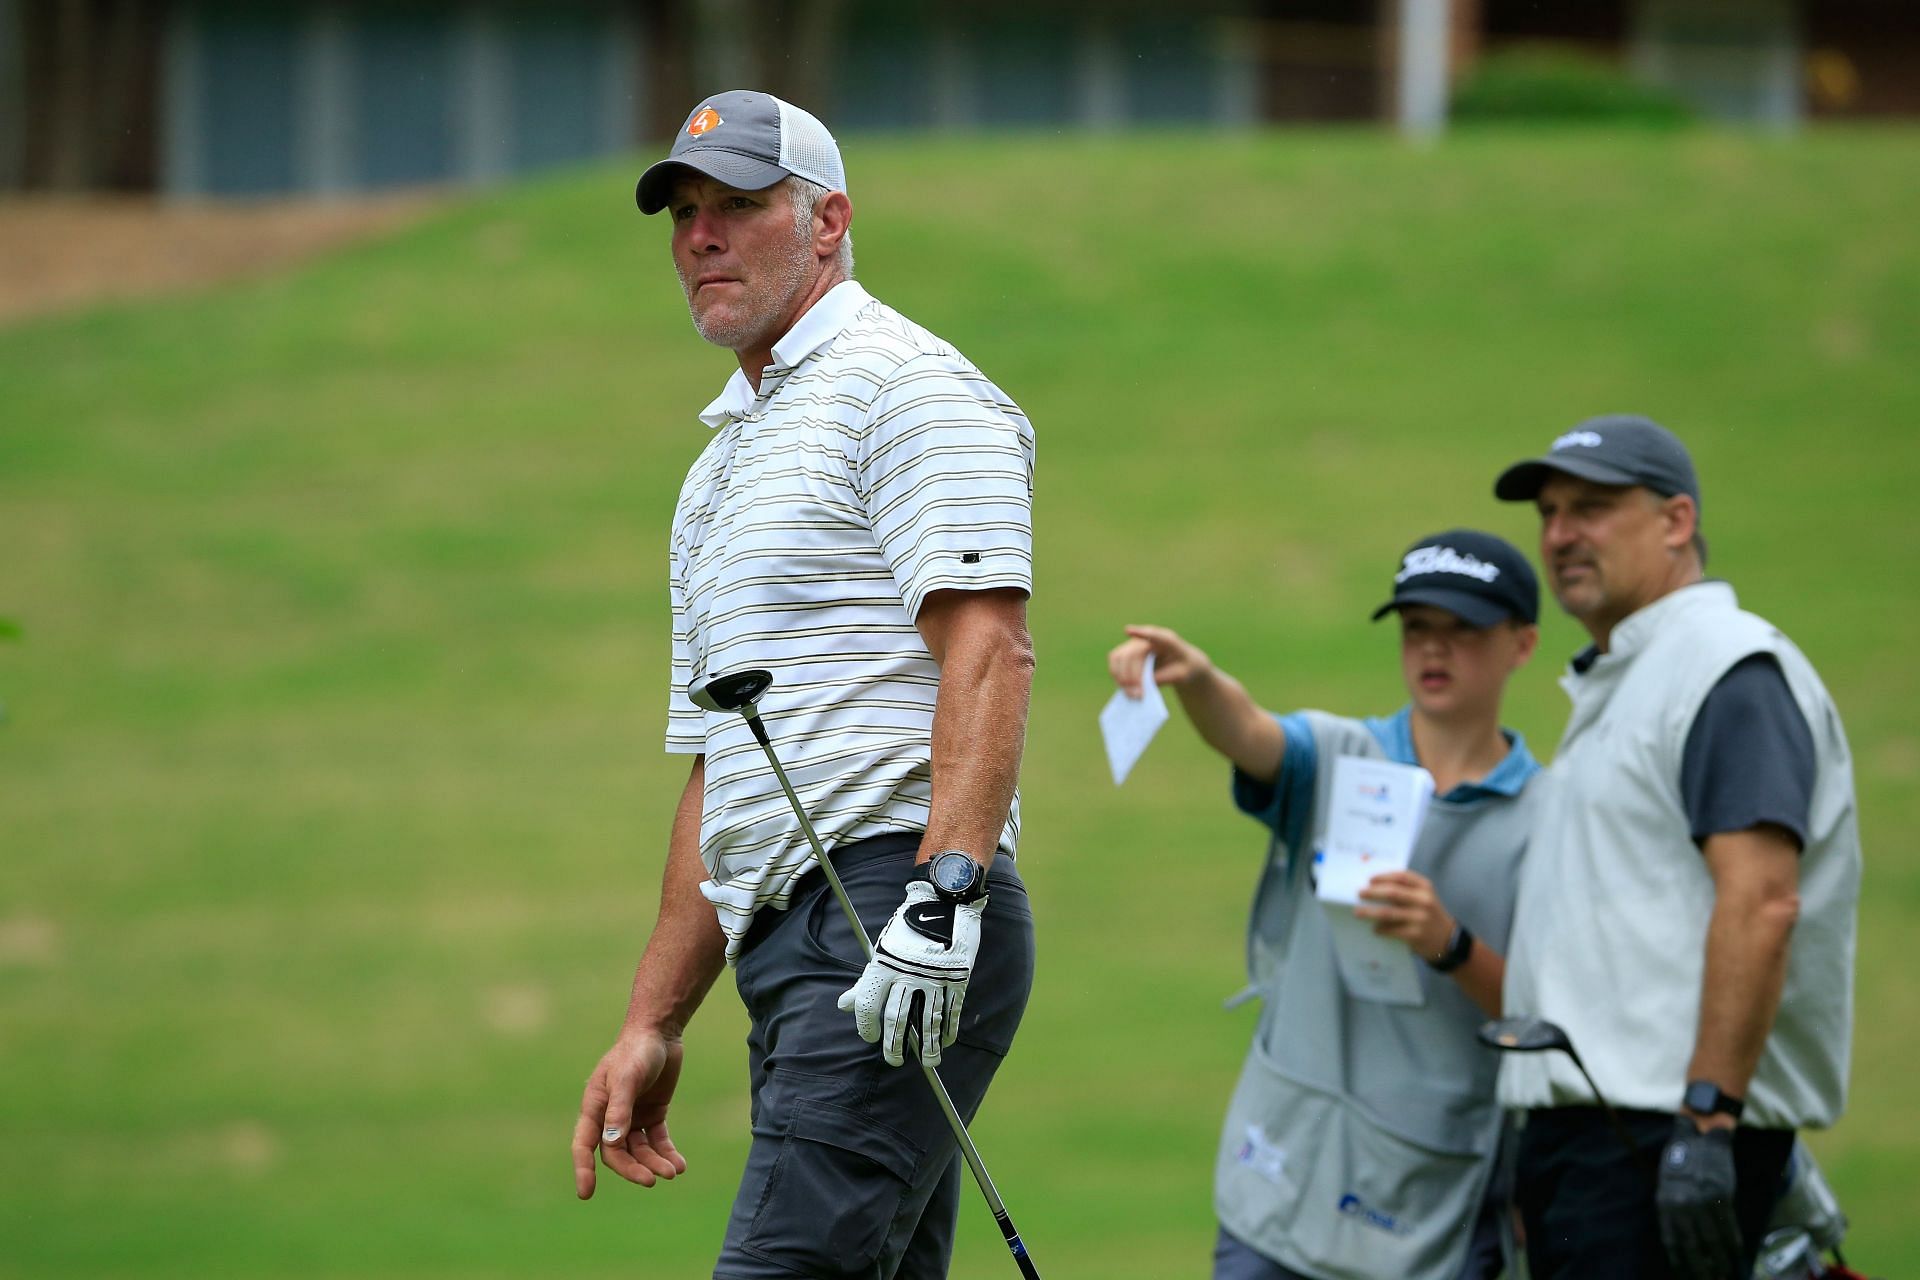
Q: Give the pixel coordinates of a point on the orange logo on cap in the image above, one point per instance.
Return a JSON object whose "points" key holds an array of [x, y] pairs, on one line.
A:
{"points": [[704, 119]]}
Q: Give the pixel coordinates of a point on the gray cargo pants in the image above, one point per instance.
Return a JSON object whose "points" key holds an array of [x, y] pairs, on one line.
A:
{"points": [[853, 1173]]}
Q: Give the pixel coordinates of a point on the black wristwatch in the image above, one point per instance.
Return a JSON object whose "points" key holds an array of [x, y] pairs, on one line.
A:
{"points": [[955, 876], [1705, 1098], [1459, 947]]}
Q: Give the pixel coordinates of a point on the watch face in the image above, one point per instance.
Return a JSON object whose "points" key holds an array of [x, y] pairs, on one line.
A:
{"points": [[953, 872], [1703, 1097]]}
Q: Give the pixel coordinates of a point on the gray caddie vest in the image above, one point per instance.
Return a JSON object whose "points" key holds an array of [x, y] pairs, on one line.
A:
{"points": [[1360, 1137], [1611, 934]]}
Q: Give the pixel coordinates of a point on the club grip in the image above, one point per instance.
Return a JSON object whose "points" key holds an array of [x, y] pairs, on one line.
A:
{"points": [[1016, 1247]]}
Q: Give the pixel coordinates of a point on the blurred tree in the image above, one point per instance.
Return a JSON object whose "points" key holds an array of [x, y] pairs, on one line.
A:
{"points": [[1555, 86], [84, 73], [787, 47]]}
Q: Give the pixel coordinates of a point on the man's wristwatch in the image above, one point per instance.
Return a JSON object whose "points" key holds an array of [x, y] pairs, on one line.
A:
{"points": [[1705, 1098], [955, 876], [1459, 947]]}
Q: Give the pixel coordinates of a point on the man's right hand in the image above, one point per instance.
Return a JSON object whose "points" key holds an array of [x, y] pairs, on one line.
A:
{"points": [[1694, 1202], [1175, 661], [623, 1113], [1227, 717]]}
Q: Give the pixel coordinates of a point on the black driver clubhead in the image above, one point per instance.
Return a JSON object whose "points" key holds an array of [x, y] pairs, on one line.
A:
{"points": [[1524, 1035], [735, 691]]}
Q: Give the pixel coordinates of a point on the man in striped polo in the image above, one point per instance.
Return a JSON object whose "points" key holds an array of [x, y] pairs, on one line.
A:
{"points": [[860, 526]]}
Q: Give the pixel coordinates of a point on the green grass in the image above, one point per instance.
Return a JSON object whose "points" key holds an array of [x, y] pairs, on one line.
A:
{"points": [[331, 799]]}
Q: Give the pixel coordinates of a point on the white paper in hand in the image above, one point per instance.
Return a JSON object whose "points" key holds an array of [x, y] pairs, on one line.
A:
{"points": [[1374, 818], [1375, 809], [1128, 724]]}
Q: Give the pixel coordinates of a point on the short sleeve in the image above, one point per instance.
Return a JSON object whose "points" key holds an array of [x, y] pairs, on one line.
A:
{"points": [[1749, 755], [686, 723], [946, 472], [1285, 804]]}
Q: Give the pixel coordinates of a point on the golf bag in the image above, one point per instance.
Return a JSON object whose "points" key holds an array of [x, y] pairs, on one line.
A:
{"points": [[1807, 1224]]}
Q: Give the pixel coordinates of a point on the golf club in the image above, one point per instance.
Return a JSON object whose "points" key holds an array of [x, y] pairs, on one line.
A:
{"points": [[738, 692], [1537, 1035]]}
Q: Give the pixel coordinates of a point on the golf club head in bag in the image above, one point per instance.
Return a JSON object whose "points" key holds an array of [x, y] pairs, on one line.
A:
{"points": [[1788, 1253], [1807, 1222]]}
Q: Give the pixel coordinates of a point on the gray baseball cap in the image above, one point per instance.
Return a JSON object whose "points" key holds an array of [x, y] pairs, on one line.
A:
{"points": [[747, 140], [1614, 449]]}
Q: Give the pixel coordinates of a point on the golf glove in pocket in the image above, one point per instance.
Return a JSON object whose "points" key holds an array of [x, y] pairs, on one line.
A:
{"points": [[1694, 1200], [917, 979]]}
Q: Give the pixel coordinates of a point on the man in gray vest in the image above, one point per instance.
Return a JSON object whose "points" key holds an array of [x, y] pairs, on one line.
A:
{"points": [[1687, 910]]}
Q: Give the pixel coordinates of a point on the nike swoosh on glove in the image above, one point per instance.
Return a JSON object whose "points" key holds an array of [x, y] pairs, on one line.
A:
{"points": [[917, 979]]}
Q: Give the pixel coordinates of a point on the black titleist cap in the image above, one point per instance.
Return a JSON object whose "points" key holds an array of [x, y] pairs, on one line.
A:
{"points": [[1615, 449], [1479, 578]]}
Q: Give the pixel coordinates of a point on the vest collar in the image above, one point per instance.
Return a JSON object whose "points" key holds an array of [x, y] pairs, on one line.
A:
{"points": [[1638, 629], [1590, 678], [818, 325]]}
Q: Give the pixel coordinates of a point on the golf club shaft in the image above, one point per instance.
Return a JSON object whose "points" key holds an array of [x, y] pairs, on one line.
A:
{"points": [[954, 1122], [1613, 1117]]}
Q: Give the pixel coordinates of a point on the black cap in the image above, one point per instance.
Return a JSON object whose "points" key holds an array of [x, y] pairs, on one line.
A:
{"points": [[1477, 577], [1616, 449]]}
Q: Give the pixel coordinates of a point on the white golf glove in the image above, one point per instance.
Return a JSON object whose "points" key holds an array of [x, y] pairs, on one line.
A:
{"points": [[918, 975]]}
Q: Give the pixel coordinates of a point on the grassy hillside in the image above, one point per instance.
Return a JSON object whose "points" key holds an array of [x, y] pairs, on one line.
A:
{"points": [[331, 799]]}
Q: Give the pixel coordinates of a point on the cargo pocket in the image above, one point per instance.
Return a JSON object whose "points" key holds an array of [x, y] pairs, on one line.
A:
{"points": [[1323, 1187], [833, 1194]]}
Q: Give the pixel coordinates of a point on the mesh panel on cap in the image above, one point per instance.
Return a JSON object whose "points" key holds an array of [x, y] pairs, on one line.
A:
{"points": [[807, 149]]}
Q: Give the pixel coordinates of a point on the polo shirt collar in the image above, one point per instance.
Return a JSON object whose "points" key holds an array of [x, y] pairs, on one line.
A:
{"points": [[819, 325], [1395, 736]]}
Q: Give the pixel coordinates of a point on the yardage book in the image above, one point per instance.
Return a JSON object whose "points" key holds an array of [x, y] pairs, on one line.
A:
{"points": [[1374, 816]]}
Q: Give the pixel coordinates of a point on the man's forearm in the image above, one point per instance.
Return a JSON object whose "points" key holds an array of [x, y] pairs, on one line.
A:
{"points": [[1748, 937], [687, 949], [1232, 723], [1482, 977], [1745, 971], [979, 731]]}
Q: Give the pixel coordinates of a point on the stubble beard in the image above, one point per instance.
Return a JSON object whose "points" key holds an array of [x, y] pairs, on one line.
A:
{"points": [[1581, 598], [759, 310], [1591, 605]]}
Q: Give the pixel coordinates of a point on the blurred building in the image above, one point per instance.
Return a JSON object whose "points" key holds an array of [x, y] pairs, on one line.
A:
{"points": [[251, 97]]}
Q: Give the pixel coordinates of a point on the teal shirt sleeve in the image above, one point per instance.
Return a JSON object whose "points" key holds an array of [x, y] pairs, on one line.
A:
{"points": [[1284, 805]]}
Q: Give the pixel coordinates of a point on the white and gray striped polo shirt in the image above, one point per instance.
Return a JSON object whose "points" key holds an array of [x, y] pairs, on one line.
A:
{"points": [[874, 466]]}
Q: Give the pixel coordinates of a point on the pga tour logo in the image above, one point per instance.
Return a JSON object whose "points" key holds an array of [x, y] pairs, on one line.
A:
{"points": [[1578, 440], [1263, 1155]]}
